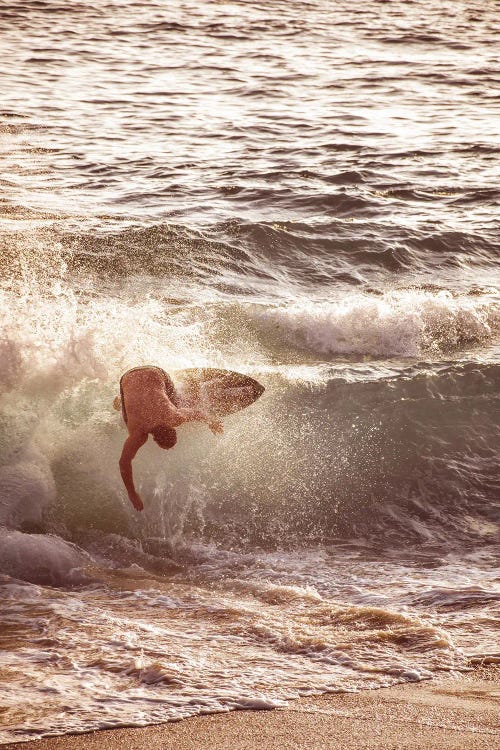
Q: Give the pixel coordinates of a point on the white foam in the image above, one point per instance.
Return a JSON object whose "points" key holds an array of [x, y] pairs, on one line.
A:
{"points": [[399, 323]]}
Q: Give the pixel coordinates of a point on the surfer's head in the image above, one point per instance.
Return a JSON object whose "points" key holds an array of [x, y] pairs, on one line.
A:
{"points": [[165, 437]]}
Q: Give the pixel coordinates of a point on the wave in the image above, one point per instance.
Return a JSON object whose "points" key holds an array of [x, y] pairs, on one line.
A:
{"points": [[408, 323], [42, 559], [393, 461], [356, 449], [261, 259]]}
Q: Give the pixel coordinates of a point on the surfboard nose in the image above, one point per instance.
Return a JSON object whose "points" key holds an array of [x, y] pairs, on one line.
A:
{"points": [[244, 381], [258, 389]]}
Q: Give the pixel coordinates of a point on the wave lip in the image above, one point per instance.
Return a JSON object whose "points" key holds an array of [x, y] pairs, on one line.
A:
{"points": [[43, 559], [404, 323]]}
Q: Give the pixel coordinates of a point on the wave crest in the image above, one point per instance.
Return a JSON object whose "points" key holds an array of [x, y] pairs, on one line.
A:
{"points": [[405, 323]]}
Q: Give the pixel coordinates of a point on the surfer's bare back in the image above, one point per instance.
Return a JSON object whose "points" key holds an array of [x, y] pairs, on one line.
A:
{"points": [[148, 403]]}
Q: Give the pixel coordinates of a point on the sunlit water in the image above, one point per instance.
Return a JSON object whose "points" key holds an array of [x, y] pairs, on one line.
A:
{"points": [[305, 192]]}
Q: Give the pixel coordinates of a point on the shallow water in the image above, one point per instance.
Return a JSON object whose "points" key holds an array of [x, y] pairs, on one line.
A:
{"points": [[307, 193]]}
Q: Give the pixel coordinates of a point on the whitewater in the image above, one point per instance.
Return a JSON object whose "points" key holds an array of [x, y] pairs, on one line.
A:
{"points": [[307, 197]]}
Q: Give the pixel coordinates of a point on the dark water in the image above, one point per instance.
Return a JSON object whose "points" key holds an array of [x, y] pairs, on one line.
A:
{"points": [[305, 192]]}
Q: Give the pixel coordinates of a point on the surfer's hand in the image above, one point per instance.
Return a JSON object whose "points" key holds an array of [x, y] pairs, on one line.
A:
{"points": [[216, 426], [136, 501]]}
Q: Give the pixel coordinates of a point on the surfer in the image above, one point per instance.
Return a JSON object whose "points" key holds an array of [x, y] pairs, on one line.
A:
{"points": [[150, 406]]}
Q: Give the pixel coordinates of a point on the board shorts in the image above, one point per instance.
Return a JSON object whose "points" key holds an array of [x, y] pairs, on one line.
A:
{"points": [[168, 382]]}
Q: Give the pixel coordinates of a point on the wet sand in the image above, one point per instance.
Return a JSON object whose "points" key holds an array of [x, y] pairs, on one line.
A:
{"points": [[458, 713]]}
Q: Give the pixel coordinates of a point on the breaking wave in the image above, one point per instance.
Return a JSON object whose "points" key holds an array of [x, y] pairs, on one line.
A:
{"points": [[408, 323]]}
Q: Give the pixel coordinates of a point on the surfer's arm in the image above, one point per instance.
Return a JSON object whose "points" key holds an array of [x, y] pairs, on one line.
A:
{"points": [[130, 448], [177, 415], [197, 415]]}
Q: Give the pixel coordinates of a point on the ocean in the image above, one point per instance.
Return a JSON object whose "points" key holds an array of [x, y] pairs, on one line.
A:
{"points": [[304, 192]]}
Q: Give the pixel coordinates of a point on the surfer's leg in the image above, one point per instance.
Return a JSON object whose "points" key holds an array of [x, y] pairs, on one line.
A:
{"points": [[170, 389]]}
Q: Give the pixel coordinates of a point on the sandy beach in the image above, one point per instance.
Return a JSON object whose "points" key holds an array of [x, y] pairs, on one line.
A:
{"points": [[459, 713]]}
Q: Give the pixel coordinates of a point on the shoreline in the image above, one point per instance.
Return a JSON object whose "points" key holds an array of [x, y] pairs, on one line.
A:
{"points": [[451, 713]]}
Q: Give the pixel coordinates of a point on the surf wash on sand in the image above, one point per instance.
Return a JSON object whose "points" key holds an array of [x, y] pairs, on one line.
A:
{"points": [[303, 202]]}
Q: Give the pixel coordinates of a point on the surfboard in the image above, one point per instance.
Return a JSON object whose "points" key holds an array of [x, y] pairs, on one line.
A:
{"points": [[218, 392]]}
